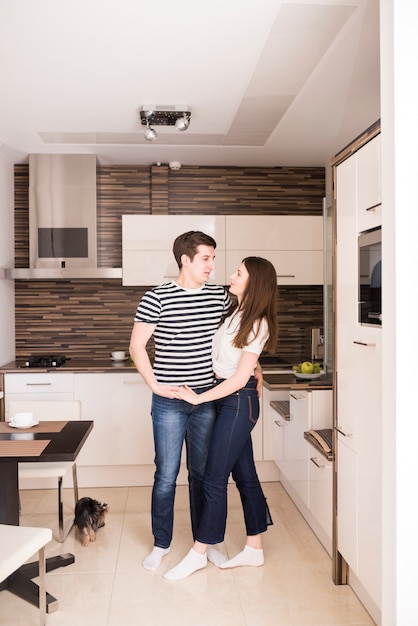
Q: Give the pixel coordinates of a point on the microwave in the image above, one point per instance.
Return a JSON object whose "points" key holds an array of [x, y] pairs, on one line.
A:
{"points": [[370, 277]]}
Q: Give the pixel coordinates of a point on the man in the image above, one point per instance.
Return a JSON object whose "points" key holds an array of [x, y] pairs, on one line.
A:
{"points": [[182, 316]]}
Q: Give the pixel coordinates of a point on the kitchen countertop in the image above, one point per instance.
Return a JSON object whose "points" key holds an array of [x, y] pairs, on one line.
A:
{"points": [[72, 365], [287, 380], [277, 379]]}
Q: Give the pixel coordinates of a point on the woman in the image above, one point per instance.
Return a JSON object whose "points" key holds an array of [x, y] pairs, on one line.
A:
{"points": [[237, 344]]}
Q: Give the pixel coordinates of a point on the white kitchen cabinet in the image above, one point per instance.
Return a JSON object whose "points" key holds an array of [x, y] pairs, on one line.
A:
{"points": [[360, 461], [358, 369], [304, 472], [320, 493], [269, 417], [120, 406], [369, 200], [300, 422], [37, 386], [347, 505], [293, 267], [278, 441], [147, 246], [274, 232], [294, 244], [308, 410]]}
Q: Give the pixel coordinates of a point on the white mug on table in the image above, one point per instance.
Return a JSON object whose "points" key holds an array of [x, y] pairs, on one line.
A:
{"points": [[22, 419]]}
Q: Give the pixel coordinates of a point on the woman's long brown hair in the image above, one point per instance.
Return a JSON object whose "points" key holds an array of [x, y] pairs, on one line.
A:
{"points": [[259, 301]]}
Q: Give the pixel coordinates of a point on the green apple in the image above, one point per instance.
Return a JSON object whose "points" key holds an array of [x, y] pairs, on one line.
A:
{"points": [[307, 367]]}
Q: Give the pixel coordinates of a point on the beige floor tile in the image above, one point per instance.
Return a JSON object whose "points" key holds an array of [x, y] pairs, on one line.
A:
{"points": [[107, 585]]}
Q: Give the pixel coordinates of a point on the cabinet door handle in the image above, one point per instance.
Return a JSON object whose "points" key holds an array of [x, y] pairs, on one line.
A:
{"points": [[286, 275], [279, 424], [38, 384], [364, 343], [314, 460], [339, 430], [374, 207]]}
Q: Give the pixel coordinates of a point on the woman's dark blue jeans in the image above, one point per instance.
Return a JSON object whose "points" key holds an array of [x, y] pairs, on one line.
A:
{"points": [[231, 450]]}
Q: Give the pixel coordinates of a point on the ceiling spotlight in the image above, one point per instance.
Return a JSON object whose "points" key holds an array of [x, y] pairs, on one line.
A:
{"points": [[149, 133], [163, 116], [182, 123]]}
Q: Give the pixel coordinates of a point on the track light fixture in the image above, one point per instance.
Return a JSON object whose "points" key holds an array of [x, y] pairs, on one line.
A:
{"points": [[149, 133], [159, 116], [182, 123]]}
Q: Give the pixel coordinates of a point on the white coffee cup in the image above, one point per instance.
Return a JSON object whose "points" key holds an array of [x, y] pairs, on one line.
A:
{"points": [[118, 355], [22, 419]]}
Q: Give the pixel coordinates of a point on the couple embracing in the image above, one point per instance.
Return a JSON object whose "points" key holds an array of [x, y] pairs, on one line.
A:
{"points": [[205, 383]]}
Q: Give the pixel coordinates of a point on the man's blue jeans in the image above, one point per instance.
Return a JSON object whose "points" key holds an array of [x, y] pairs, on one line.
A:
{"points": [[231, 451], [175, 421]]}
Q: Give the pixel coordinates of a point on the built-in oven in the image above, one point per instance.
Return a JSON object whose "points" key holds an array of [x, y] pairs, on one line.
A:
{"points": [[370, 277]]}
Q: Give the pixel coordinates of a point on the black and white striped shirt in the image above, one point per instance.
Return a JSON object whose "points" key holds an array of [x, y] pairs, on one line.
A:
{"points": [[186, 320]]}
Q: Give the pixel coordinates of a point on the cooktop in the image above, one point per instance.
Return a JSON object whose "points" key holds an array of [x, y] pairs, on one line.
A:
{"points": [[45, 361]]}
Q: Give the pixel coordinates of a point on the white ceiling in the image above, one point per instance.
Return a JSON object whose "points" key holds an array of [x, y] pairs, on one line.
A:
{"points": [[268, 82]]}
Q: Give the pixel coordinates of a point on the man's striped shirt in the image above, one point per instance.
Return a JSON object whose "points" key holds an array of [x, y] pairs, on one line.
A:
{"points": [[186, 320]]}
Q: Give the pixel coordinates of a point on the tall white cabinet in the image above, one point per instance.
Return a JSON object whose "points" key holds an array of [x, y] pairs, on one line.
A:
{"points": [[358, 367]]}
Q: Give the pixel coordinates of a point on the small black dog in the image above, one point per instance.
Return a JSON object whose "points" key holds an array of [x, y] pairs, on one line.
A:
{"points": [[89, 516]]}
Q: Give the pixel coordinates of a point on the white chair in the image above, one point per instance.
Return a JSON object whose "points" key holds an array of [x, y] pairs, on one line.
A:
{"points": [[62, 410], [17, 545]]}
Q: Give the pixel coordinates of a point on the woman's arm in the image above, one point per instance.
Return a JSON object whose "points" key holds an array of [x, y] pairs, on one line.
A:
{"points": [[258, 374], [237, 381]]}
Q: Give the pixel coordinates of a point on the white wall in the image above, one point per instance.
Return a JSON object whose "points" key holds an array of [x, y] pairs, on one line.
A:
{"points": [[7, 312], [399, 51]]}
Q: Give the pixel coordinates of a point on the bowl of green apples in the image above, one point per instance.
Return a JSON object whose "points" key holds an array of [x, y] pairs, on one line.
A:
{"points": [[308, 370]]}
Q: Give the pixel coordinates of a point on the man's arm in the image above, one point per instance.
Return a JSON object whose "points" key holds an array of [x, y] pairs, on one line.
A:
{"points": [[140, 336]]}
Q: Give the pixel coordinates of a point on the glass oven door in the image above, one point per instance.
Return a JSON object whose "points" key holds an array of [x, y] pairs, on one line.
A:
{"points": [[370, 277]]}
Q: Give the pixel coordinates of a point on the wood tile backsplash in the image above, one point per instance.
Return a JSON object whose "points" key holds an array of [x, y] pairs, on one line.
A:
{"points": [[82, 318], [88, 318]]}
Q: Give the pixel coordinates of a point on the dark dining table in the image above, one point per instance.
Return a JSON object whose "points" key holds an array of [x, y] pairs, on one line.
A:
{"points": [[45, 442]]}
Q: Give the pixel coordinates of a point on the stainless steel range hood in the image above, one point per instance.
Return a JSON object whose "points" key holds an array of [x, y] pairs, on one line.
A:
{"points": [[62, 218], [62, 211]]}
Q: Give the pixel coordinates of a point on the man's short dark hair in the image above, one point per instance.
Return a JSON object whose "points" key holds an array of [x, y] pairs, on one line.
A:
{"points": [[187, 243]]}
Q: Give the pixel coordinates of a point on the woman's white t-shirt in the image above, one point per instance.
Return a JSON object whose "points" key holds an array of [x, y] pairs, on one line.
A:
{"points": [[224, 355]]}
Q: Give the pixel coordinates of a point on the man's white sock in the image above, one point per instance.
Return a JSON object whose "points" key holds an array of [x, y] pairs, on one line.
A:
{"points": [[153, 560], [191, 563], [249, 556]]}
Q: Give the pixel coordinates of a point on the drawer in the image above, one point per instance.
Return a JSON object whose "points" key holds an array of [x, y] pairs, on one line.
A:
{"points": [[39, 383]]}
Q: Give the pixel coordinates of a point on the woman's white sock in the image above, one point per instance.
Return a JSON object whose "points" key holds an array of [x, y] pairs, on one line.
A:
{"points": [[249, 556], [191, 563], [153, 560], [214, 556]]}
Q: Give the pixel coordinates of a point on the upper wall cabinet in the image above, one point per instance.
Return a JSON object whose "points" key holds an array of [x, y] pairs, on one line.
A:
{"points": [[147, 246], [294, 244], [369, 200]]}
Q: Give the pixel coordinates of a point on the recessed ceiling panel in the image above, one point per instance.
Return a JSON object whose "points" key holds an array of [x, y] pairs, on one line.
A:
{"points": [[298, 41]]}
